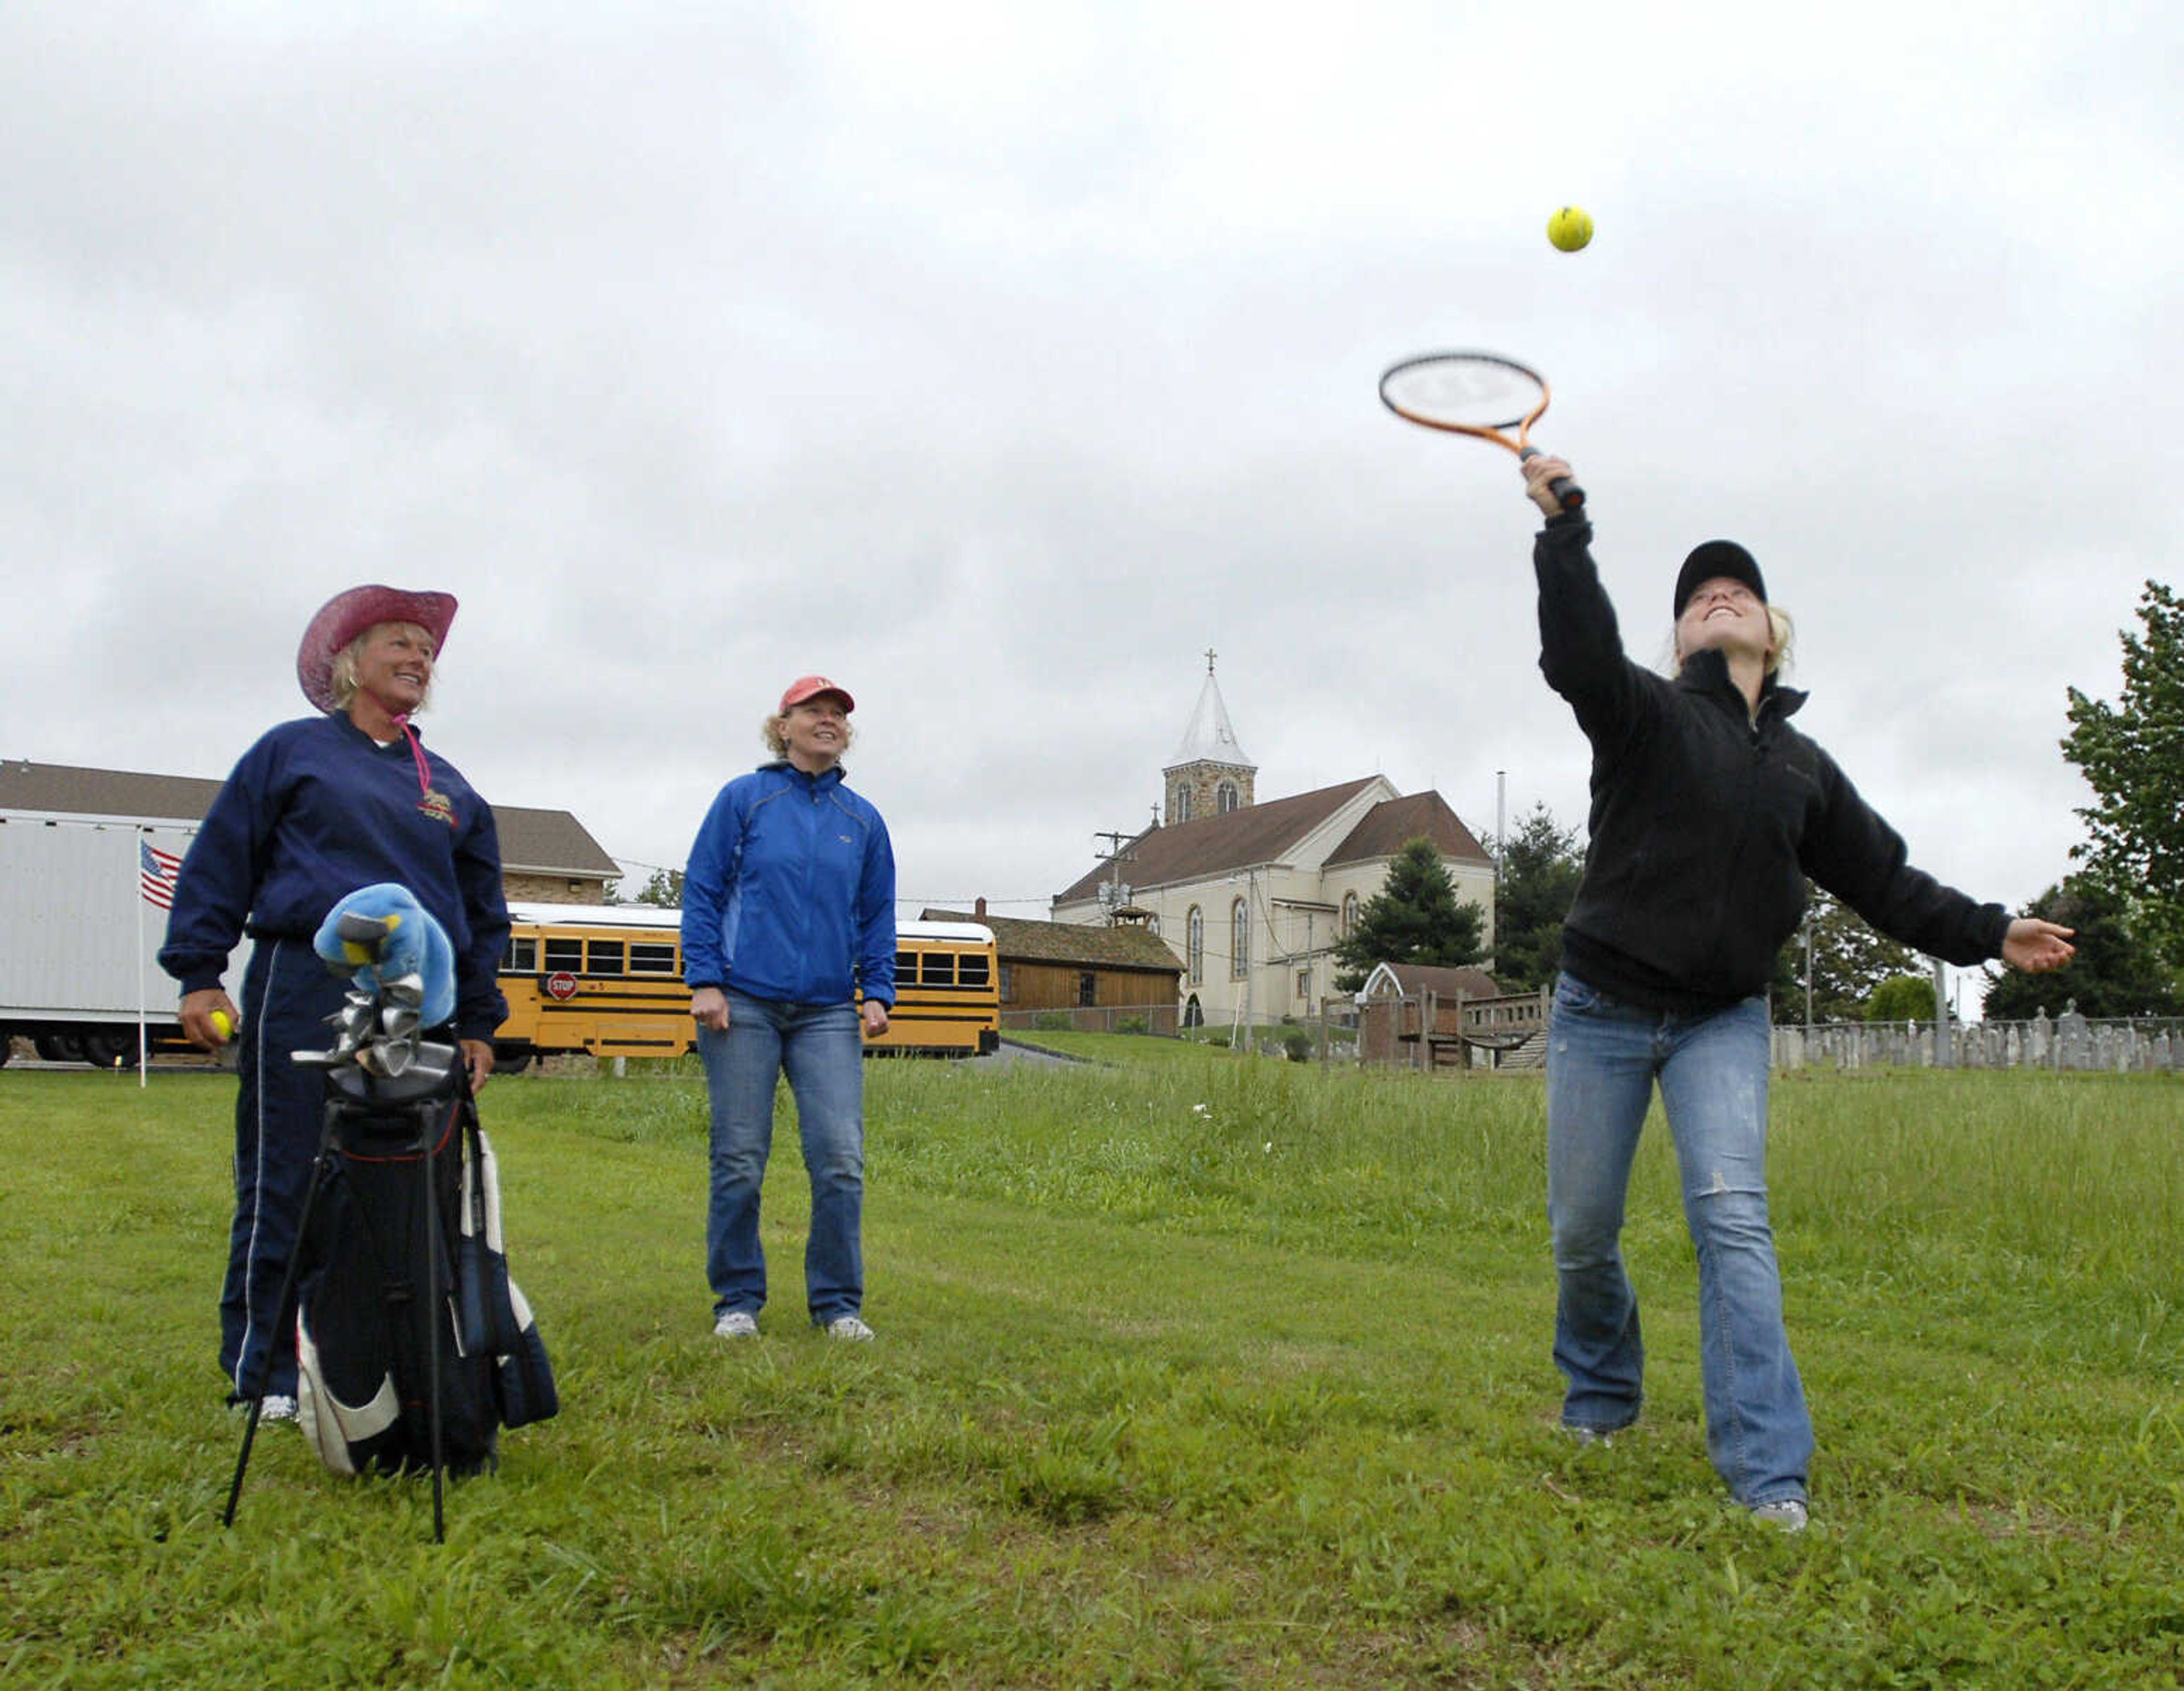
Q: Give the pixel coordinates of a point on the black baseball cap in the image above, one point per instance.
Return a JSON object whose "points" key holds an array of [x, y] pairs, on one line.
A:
{"points": [[1715, 558]]}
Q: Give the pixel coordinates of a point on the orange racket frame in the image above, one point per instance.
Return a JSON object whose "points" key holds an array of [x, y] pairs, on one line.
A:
{"points": [[1391, 382]]}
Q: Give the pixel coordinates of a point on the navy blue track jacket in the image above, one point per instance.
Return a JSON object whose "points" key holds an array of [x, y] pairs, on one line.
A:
{"points": [[317, 809]]}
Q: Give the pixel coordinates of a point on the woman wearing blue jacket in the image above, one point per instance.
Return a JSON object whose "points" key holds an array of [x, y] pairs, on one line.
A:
{"points": [[1709, 812], [318, 808], [788, 915]]}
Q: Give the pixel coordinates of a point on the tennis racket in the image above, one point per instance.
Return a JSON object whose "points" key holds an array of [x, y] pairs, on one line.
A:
{"points": [[1477, 394]]}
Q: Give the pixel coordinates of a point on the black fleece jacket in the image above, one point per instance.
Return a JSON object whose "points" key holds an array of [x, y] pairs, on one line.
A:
{"points": [[1705, 824]]}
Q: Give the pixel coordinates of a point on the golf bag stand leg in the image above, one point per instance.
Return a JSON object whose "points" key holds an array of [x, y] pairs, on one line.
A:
{"points": [[437, 1283], [284, 1308]]}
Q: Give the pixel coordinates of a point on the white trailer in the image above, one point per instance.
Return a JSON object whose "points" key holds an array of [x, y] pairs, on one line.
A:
{"points": [[81, 932]]}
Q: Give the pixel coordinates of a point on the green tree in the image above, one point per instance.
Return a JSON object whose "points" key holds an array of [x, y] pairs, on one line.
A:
{"points": [[2131, 753], [664, 889], [2115, 973], [1414, 918], [1902, 998], [1850, 959], [1542, 865]]}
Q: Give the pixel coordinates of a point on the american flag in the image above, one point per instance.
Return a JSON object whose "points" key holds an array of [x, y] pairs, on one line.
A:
{"points": [[156, 873]]}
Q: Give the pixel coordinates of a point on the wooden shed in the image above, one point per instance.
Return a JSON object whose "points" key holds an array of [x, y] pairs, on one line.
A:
{"points": [[1106, 978]]}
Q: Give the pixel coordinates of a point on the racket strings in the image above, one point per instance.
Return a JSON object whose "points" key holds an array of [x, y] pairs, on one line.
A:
{"points": [[1465, 390]]}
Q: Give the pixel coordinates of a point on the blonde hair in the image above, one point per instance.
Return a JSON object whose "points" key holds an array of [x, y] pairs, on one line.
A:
{"points": [[770, 730], [1781, 642], [342, 680], [1781, 638]]}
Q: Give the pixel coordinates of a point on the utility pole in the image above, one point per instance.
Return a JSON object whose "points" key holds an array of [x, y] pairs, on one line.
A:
{"points": [[1809, 971], [1115, 856], [1501, 852], [1500, 823]]}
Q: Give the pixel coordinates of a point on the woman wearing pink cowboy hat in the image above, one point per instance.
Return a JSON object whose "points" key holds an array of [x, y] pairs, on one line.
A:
{"points": [[317, 808]]}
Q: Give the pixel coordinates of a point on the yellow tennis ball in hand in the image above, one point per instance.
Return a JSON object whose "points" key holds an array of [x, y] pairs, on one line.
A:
{"points": [[1570, 228], [222, 1026]]}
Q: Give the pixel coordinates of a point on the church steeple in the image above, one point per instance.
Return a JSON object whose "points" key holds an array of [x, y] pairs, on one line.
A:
{"points": [[1210, 773]]}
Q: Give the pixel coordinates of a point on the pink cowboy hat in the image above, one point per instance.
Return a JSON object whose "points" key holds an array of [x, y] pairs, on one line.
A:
{"points": [[341, 619]]}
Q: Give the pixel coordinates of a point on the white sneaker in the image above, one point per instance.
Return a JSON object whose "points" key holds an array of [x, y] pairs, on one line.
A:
{"points": [[277, 1407], [1789, 1515], [736, 1324], [848, 1327]]}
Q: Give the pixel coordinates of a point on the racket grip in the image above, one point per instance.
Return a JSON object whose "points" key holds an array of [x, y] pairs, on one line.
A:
{"points": [[1571, 495]]}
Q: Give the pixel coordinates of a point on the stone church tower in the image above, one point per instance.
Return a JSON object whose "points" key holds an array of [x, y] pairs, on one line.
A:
{"points": [[1209, 775]]}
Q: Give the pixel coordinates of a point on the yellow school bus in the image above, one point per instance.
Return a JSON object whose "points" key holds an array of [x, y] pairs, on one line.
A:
{"points": [[606, 980], [947, 992]]}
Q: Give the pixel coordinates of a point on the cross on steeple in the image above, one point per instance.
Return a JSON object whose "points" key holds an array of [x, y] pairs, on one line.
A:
{"points": [[1209, 660]]}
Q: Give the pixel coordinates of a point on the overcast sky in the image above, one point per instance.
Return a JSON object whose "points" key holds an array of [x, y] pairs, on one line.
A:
{"points": [[997, 360]]}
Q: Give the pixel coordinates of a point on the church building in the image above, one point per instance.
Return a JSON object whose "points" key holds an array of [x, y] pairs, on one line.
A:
{"points": [[1252, 895]]}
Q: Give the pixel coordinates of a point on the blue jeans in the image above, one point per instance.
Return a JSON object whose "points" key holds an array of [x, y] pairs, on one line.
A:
{"points": [[1603, 1058], [820, 1049]]}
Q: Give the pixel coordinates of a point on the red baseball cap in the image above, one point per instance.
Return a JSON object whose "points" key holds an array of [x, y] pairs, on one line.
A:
{"points": [[341, 619], [806, 687]]}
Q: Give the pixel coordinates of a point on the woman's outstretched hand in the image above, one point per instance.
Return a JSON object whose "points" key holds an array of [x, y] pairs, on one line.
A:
{"points": [[2036, 946]]}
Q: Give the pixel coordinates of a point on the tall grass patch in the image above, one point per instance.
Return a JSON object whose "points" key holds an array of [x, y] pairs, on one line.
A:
{"points": [[1199, 1369]]}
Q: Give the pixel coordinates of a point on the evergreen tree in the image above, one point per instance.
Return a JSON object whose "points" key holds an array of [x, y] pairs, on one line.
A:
{"points": [[1541, 868], [1850, 959], [2115, 973], [2133, 755], [1413, 918]]}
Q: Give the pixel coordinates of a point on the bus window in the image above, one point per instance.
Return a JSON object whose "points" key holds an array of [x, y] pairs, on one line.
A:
{"points": [[905, 968], [565, 956], [938, 969], [522, 955], [645, 959], [607, 957], [970, 968]]}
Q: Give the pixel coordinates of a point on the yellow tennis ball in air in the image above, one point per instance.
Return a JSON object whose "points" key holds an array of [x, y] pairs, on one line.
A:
{"points": [[1570, 228], [221, 1025]]}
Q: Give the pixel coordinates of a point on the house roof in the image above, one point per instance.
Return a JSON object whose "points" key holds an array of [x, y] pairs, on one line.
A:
{"points": [[1209, 845], [1020, 941], [1412, 978], [551, 842], [1209, 737], [68, 791], [1388, 826]]}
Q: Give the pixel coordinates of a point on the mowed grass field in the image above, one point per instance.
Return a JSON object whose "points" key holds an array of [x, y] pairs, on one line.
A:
{"points": [[1193, 1369]]}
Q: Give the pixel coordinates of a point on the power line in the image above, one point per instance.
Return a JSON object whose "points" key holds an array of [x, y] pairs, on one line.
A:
{"points": [[966, 903]]}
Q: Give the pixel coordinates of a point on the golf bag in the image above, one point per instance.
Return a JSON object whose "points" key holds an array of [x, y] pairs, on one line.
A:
{"points": [[414, 1348]]}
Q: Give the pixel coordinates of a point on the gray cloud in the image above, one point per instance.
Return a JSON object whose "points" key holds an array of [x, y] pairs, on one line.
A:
{"points": [[998, 362]]}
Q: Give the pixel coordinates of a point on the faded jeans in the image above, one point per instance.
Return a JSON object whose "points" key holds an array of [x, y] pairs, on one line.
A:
{"points": [[1603, 1057], [821, 1048]]}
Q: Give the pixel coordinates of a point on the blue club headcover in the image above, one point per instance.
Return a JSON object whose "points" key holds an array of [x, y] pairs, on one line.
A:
{"points": [[415, 943]]}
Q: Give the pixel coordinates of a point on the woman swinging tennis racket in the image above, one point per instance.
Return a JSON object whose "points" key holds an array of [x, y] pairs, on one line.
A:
{"points": [[1709, 812]]}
